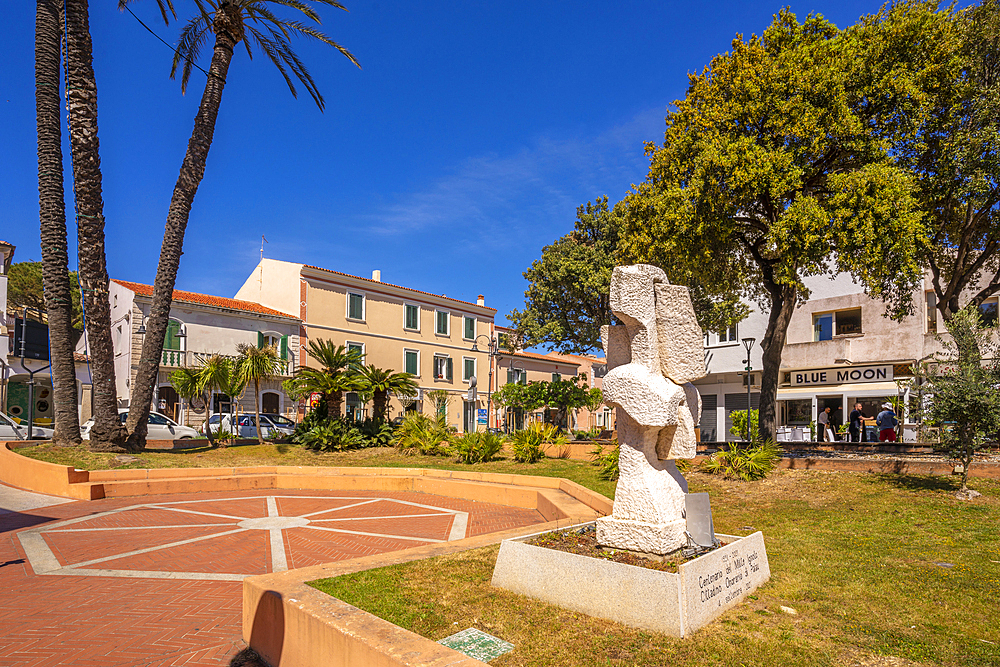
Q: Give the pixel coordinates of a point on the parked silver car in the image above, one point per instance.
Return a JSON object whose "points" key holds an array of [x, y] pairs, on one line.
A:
{"points": [[274, 426], [159, 427], [11, 430]]}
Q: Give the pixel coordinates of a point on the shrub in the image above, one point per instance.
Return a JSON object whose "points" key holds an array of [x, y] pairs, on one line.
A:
{"points": [[529, 444], [739, 427], [606, 460], [377, 432], [748, 463], [333, 435], [589, 434], [478, 447], [420, 434]]}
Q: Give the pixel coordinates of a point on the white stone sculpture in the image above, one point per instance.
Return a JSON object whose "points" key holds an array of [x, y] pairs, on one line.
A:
{"points": [[653, 357]]}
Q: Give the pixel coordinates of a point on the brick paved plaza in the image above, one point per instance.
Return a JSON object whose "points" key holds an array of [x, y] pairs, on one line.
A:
{"points": [[156, 580]]}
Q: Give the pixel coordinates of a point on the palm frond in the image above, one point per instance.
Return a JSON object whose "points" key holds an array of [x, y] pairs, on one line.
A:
{"points": [[163, 5]]}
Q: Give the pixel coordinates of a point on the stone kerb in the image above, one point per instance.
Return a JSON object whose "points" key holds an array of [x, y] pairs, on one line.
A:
{"points": [[673, 604], [291, 624]]}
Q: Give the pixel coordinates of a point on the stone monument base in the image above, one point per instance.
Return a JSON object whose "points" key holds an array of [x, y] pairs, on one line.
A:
{"points": [[673, 604], [649, 538]]}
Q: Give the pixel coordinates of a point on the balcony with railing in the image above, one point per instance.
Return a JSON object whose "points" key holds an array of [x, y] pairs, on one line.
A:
{"points": [[171, 359]]}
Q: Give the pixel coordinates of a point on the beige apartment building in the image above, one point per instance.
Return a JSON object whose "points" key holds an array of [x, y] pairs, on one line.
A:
{"points": [[428, 335]]}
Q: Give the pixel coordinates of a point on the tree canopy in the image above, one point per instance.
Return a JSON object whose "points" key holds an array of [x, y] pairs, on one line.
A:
{"points": [[566, 302], [774, 168], [25, 289]]}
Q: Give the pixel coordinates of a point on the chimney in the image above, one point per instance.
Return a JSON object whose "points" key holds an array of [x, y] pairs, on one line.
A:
{"points": [[377, 276], [480, 300]]}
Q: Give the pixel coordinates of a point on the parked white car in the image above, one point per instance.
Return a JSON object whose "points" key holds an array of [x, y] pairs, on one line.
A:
{"points": [[11, 430], [275, 426], [159, 428]]}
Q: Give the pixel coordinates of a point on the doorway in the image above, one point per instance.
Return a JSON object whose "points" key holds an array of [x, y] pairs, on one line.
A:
{"points": [[169, 402], [836, 417]]}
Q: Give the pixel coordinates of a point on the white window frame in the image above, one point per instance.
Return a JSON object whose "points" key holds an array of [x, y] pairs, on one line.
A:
{"points": [[347, 306], [349, 343], [444, 376], [465, 319], [405, 307], [447, 320], [474, 368], [416, 352]]}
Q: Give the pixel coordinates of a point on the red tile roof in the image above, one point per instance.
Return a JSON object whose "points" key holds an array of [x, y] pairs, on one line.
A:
{"points": [[207, 300], [408, 289], [2, 242]]}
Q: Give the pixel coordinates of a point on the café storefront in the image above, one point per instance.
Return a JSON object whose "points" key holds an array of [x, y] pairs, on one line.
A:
{"points": [[804, 393]]}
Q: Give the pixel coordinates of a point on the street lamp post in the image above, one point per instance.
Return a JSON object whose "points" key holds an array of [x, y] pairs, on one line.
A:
{"points": [[31, 373], [492, 347], [748, 344]]}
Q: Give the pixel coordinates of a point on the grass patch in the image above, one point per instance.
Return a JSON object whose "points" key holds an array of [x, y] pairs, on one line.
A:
{"points": [[855, 555], [297, 455]]}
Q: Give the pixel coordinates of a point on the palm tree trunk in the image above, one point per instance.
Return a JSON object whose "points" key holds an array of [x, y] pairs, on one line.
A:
{"points": [[256, 410], [52, 219], [208, 416], [81, 97], [192, 171]]}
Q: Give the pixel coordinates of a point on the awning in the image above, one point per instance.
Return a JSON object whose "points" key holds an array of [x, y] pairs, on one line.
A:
{"points": [[858, 389]]}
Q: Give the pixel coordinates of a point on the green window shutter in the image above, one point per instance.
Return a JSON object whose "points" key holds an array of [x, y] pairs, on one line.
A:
{"points": [[283, 348], [556, 377], [411, 363], [260, 341], [170, 341], [524, 377], [470, 328], [448, 370], [510, 376]]}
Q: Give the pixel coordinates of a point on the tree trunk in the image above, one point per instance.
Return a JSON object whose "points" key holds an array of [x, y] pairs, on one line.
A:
{"points": [[256, 411], [192, 171], [52, 218], [81, 97], [782, 307], [208, 415], [380, 399]]}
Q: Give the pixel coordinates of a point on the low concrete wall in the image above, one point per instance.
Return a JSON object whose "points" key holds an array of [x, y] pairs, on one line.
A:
{"points": [[291, 624], [42, 477]]}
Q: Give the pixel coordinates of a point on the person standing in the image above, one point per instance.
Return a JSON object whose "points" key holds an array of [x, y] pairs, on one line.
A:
{"points": [[886, 421], [824, 425], [856, 427]]}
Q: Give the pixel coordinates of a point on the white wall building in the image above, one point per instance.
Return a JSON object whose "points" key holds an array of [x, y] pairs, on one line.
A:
{"points": [[839, 350], [200, 325]]}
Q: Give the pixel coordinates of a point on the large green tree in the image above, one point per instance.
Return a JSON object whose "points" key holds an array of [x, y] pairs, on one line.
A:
{"points": [[954, 153], [26, 288], [773, 169], [227, 23], [567, 300]]}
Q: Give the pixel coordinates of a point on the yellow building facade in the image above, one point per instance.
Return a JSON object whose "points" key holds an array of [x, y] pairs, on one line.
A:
{"points": [[400, 328]]}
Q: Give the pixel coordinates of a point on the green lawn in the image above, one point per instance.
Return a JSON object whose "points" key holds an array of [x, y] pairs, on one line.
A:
{"points": [[854, 555]]}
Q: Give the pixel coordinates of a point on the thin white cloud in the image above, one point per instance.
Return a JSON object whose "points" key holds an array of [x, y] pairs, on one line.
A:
{"points": [[542, 182]]}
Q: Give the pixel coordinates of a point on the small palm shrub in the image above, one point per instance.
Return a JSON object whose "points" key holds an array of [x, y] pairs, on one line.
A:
{"points": [[478, 447], [606, 460], [589, 434], [377, 432], [420, 434], [529, 444], [748, 463], [333, 435]]}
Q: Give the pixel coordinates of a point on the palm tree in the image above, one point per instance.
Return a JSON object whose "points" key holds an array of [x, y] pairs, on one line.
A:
{"points": [[218, 373], [188, 384], [107, 433], [339, 371], [253, 365], [52, 219], [381, 382], [230, 22]]}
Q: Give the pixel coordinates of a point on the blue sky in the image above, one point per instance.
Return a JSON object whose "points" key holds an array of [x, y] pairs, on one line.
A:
{"points": [[463, 146]]}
